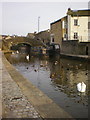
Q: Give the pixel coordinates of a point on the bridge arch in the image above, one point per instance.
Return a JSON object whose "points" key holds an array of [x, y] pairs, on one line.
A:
{"points": [[20, 44], [21, 47], [15, 41]]}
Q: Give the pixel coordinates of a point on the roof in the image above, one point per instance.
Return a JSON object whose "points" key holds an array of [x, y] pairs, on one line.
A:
{"points": [[43, 31], [58, 20], [55, 21], [84, 12], [30, 33]]}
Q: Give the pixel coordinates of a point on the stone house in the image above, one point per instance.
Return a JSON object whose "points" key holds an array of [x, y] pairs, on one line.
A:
{"points": [[56, 31], [43, 36], [0, 42], [0, 37], [8, 37], [74, 26], [72, 32], [31, 35], [78, 25], [64, 27]]}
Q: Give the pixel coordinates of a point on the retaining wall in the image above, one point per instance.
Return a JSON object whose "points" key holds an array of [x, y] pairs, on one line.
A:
{"points": [[76, 48]]}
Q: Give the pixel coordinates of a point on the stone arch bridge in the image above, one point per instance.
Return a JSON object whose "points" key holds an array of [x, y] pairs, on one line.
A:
{"points": [[8, 43]]}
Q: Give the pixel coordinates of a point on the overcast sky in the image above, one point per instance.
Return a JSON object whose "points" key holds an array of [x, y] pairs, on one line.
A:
{"points": [[21, 18]]}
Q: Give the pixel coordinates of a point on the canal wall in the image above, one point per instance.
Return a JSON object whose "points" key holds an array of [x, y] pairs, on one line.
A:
{"points": [[44, 106], [0, 85], [75, 48], [76, 57]]}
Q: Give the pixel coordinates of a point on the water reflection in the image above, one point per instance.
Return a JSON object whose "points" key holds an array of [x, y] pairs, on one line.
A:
{"points": [[67, 75], [58, 78]]}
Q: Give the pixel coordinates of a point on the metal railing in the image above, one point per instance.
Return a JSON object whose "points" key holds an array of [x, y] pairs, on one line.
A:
{"points": [[79, 38]]}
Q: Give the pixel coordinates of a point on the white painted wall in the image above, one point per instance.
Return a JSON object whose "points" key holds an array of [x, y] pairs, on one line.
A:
{"points": [[69, 27], [89, 30], [81, 29]]}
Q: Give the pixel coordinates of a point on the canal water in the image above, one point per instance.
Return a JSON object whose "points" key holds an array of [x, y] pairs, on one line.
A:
{"points": [[57, 78]]}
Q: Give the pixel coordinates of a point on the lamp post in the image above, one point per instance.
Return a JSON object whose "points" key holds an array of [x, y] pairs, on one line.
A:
{"points": [[38, 23]]}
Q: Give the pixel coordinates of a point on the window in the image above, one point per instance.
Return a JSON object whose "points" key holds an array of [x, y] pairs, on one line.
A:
{"points": [[65, 35], [52, 39], [75, 22], [88, 25], [64, 24], [75, 35]]}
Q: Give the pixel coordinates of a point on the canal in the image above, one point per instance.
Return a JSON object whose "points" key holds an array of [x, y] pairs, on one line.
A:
{"points": [[57, 78]]}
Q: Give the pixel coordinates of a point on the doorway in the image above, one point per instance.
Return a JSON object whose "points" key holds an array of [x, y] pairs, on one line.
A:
{"points": [[86, 50]]}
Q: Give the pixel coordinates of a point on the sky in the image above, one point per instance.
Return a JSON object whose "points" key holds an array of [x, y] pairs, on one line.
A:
{"points": [[21, 17]]}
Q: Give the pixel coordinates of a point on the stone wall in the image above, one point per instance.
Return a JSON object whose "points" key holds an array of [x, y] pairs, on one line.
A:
{"points": [[44, 36], [7, 44], [56, 31], [75, 47]]}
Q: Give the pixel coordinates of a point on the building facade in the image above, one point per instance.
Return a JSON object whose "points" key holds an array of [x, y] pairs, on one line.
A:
{"points": [[31, 35], [56, 31], [78, 25], [43, 36], [64, 28], [74, 26], [72, 32]]}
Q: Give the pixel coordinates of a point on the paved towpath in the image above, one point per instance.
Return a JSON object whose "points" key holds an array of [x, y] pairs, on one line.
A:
{"points": [[0, 85], [14, 102], [21, 99]]}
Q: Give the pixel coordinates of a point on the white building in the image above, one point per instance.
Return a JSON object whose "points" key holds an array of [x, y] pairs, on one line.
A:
{"points": [[78, 25]]}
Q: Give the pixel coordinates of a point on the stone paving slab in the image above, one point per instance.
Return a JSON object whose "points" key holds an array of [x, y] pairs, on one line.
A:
{"points": [[15, 103], [43, 104], [21, 99]]}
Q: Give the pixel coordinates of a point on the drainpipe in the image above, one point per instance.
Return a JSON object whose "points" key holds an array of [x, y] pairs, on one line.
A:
{"points": [[69, 28]]}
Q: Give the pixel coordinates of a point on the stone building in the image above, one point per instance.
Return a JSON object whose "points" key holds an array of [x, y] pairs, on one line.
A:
{"points": [[74, 26], [31, 35], [64, 28], [0, 42], [43, 36], [8, 37], [78, 25], [0, 37], [72, 32], [56, 31]]}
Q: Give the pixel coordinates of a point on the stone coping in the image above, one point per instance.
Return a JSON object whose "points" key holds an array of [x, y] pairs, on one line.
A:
{"points": [[77, 57], [43, 104]]}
